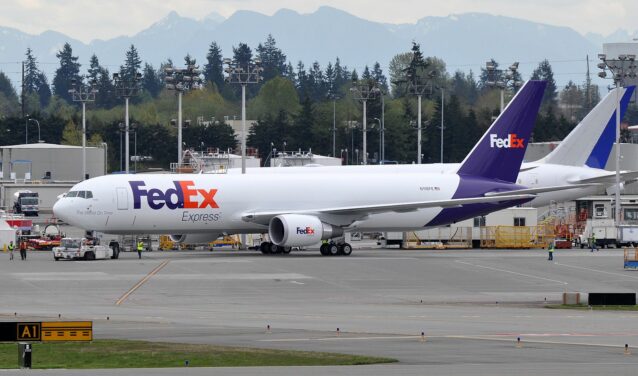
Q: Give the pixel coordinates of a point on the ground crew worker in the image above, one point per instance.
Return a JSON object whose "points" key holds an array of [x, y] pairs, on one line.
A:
{"points": [[550, 251], [140, 247], [11, 248], [593, 243], [23, 250]]}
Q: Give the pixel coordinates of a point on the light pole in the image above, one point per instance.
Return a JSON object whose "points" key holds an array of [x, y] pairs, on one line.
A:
{"points": [[621, 68], [126, 87], [243, 74], [83, 94], [363, 91], [496, 78], [380, 161], [332, 95], [442, 119], [181, 80]]}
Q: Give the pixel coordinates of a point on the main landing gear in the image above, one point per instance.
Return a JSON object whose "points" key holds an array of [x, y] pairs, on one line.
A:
{"points": [[268, 248], [334, 249]]}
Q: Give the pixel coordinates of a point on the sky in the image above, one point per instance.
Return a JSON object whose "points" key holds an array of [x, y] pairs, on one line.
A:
{"points": [[104, 19]]}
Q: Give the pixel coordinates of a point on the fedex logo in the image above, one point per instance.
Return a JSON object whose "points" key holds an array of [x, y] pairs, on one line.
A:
{"points": [[511, 142], [305, 231], [183, 196]]}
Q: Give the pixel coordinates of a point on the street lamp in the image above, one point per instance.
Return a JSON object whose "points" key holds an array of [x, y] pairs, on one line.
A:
{"points": [[496, 78], [380, 161], [363, 91], [181, 80], [621, 68], [83, 94], [243, 74], [346, 151], [126, 87]]}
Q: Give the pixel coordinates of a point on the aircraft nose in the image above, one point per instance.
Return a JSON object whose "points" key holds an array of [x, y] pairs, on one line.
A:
{"points": [[61, 210]]}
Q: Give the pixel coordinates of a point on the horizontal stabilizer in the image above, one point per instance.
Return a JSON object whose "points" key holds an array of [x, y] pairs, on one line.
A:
{"points": [[363, 210], [535, 191], [609, 178]]}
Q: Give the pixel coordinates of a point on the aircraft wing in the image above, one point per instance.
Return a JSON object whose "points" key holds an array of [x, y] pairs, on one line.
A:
{"points": [[610, 178], [364, 210], [535, 191]]}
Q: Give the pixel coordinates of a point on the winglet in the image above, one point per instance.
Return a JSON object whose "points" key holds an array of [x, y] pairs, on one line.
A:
{"points": [[499, 153]]}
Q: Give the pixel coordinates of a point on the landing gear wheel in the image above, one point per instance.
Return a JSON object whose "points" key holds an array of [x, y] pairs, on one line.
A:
{"points": [[264, 248], [274, 248], [345, 249], [333, 250], [286, 250], [324, 250]]}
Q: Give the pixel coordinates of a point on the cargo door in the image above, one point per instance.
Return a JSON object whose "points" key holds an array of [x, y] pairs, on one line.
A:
{"points": [[122, 198]]}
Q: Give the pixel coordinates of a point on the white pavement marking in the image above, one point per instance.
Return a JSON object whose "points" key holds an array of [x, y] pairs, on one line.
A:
{"points": [[233, 276], [596, 270], [512, 272], [65, 276]]}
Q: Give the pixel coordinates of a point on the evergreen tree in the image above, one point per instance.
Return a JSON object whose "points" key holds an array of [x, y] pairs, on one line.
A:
{"points": [[242, 55], [151, 81], [301, 134], [379, 77], [8, 97], [44, 90], [189, 60], [273, 60], [214, 69], [366, 74], [93, 73], [544, 72], [31, 71], [68, 71], [132, 65]]}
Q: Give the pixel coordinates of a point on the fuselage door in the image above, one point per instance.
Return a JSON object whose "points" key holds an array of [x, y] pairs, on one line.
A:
{"points": [[122, 198]]}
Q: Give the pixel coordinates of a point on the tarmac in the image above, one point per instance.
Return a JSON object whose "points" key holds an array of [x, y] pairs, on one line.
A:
{"points": [[471, 306]]}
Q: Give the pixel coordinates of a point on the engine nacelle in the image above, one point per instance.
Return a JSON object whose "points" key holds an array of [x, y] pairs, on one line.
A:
{"points": [[194, 238], [298, 230]]}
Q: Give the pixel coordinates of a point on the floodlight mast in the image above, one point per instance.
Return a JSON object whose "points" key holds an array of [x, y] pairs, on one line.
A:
{"points": [[181, 80], [496, 78], [126, 87], [364, 90], [621, 68], [243, 74], [83, 93]]}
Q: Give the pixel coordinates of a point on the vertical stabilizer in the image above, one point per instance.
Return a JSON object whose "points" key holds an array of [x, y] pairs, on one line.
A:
{"points": [[499, 153], [591, 141]]}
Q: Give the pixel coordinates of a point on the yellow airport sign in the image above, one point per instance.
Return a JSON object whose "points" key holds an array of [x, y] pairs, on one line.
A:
{"points": [[53, 331], [28, 331]]}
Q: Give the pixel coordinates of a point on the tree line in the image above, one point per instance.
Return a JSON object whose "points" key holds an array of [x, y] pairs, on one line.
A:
{"points": [[294, 104]]}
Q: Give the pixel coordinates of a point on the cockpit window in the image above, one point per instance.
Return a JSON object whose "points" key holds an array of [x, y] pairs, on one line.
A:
{"points": [[89, 194], [72, 194], [82, 194]]}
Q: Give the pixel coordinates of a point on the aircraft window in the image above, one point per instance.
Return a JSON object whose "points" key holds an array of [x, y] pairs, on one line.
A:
{"points": [[81, 194], [89, 194], [72, 194]]}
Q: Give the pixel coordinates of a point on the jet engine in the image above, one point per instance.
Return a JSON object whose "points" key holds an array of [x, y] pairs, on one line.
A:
{"points": [[194, 238], [297, 230]]}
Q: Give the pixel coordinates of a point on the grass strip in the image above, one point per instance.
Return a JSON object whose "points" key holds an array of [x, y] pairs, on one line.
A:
{"points": [[583, 307], [143, 354]]}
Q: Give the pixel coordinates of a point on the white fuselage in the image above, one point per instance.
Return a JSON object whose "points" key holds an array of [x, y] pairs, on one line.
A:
{"points": [[111, 208], [533, 175]]}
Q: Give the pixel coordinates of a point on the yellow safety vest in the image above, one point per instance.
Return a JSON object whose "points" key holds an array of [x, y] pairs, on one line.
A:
{"points": [[11, 247], [140, 246]]}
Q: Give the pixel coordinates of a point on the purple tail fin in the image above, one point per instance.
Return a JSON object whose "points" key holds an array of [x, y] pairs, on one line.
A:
{"points": [[499, 153]]}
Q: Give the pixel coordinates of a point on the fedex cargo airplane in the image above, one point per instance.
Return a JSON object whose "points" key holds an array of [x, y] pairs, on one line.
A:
{"points": [[579, 160], [302, 209]]}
